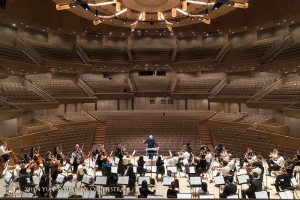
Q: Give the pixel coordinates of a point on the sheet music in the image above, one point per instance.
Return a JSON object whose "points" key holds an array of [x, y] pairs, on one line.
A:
{"points": [[129, 197], [206, 196], [134, 169], [86, 179], [149, 168], [155, 196], [146, 158], [285, 195], [8, 177], [233, 196], [101, 180], [93, 164], [111, 153], [185, 162], [89, 194], [219, 180], [27, 195], [294, 181], [173, 169], [261, 195], [62, 194], [108, 197], [191, 170], [242, 179], [67, 167], [60, 178], [141, 178], [195, 180], [114, 169], [184, 196], [123, 180], [167, 180], [117, 160]]}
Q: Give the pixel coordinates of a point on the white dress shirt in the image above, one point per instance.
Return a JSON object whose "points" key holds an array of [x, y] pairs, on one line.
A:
{"points": [[126, 160], [208, 158], [225, 171], [173, 161], [2, 150], [80, 169], [280, 161]]}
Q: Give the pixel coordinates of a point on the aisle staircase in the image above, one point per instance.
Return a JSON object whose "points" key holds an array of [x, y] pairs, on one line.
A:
{"points": [[204, 134], [99, 136]]}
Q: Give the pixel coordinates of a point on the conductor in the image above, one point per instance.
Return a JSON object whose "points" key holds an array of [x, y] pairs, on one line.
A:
{"points": [[150, 144]]}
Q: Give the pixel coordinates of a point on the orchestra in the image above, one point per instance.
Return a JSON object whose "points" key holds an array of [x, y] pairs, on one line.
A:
{"points": [[53, 162]]}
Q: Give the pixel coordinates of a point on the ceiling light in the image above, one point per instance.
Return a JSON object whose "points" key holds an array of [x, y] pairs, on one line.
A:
{"points": [[96, 22], [122, 11], [174, 12], [62, 6]]}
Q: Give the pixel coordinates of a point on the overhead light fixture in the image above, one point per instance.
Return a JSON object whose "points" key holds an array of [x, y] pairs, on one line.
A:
{"points": [[184, 5], [200, 2], [118, 6], [143, 16], [205, 20], [62, 6], [122, 11], [96, 22], [239, 5], [101, 4]]}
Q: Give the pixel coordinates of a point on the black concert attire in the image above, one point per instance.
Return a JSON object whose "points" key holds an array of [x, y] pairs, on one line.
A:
{"points": [[151, 144], [43, 185], [243, 160], [145, 192], [202, 165], [172, 192], [283, 181], [119, 152], [141, 164], [23, 175], [55, 174], [229, 189], [255, 186]]}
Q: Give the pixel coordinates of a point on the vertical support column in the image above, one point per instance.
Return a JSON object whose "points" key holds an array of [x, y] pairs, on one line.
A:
{"points": [[208, 105], [185, 104], [132, 104], [65, 108], [240, 107], [96, 106], [118, 104]]}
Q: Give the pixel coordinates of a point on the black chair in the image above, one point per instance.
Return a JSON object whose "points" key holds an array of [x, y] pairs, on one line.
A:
{"points": [[152, 181], [140, 170], [121, 168], [131, 184], [177, 184]]}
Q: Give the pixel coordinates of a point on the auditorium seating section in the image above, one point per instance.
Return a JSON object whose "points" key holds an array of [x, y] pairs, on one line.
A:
{"points": [[170, 131], [69, 117], [289, 53], [104, 85], [199, 52], [54, 51], [247, 86], [151, 83], [242, 117], [249, 51], [152, 52], [237, 138], [58, 88], [9, 51], [5, 106], [99, 52], [288, 92], [198, 84], [16, 93]]}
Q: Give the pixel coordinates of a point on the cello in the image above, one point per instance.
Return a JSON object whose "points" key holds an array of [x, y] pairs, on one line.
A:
{"points": [[83, 155], [13, 158], [38, 156]]}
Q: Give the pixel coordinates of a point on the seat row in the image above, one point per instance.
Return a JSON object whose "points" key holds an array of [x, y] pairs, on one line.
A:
{"points": [[200, 52], [288, 92], [203, 84], [100, 52], [242, 117]]}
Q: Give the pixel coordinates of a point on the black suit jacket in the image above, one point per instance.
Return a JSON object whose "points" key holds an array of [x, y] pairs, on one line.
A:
{"points": [[255, 186], [151, 143], [229, 189]]}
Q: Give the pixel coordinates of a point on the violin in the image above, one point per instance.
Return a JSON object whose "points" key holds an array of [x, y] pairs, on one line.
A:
{"points": [[37, 156]]}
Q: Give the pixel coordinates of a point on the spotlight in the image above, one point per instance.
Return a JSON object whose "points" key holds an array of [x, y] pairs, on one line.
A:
{"points": [[124, 22], [96, 13], [192, 18], [206, 12], [177, 21]]}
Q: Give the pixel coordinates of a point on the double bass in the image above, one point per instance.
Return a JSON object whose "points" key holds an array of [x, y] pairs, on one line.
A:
{"points": [[13, 158], [37, 156]]}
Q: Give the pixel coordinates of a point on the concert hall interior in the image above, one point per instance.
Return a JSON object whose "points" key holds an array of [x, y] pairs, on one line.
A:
{"points": [[150, 98]]}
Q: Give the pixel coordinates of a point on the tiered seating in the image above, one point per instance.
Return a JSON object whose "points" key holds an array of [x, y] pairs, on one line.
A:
{"points": [[104, 85], [170, 130], [151, 83], [242, 117], [16, 93], [249, 51], [200, 52], [99, 52], [247, 86], [288, 92], [58, 88], [198, 84], [9, 51], [54, 51], [5, 106], [152, 52], [69, 117], [238, 138], [289, 53], [67, 137]]}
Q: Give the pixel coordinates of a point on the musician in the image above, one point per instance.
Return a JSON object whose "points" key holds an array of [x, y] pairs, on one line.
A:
{"points": [[248, 154], [68, 186], [43, 185], [92, 187], [141, 163], [81, 170], [99, 161], [151, 143], [184, 156], [254, 169], [224, 169], [273, 156], [229, 189], [48, 156], [144, 191], [114, 187], [105, 163], [254, 186], [77, 159], [231, 162], [159, 163], [4, 152], [58, 154], [297, 159], [35, 155], [283, 180], [119, 151], [202, 164], [23, 175], [203, 147], [55, 172], [173, 160], [208, 158], [203, 190], [97, 151], [172, 193], [276, 164], [131, 176], [218, 150], [126, 159]]}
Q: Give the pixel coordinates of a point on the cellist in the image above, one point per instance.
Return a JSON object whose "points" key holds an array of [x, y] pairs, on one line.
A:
{"points": [[4, 152]]}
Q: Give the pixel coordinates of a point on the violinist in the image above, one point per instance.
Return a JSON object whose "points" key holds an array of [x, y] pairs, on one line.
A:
{"points": [[247, 156], [297, 159], [99, 161], [254, 168], [184, 156], [81, 170], [119, 151], [273, 156], [23, 175], [172, 161], [36, 156], [144, 191], [126, 159], [97, 151], [58, 155], [276, 164], [4, 152], [105, 163], [48, 162], [159, 163], [224, 169], [55, 173]]}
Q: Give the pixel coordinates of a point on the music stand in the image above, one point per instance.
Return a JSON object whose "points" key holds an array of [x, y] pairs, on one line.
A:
{"points": [[285, 195], [62, 194], [184, 195], [142, 178], [7, 180], [129, 197], [114, 169], [89, 194], [172, 169], [261, 195], [67, 168], [134, 169], [206, 196], [101, 181], [190, 170], [167, 180], [123, 180], [155, 196], [235, 196], [219, 180], [108, 197], [86, 179], [195, 181], [26, 195], [116, 160], [242, 179], [60, 179]]}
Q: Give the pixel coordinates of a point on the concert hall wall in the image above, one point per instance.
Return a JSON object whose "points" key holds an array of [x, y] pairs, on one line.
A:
{"points": [[295, 31], [273, 32], [25, 33], [8, 33]]}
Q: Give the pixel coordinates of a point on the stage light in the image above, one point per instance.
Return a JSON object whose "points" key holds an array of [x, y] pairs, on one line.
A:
{"points": [[62, 6], [96, 22]]}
